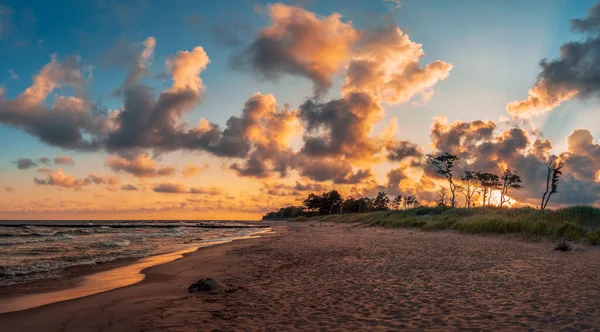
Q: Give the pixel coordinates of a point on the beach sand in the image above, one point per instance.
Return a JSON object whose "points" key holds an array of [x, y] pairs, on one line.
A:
{"points": [[348, 277]]}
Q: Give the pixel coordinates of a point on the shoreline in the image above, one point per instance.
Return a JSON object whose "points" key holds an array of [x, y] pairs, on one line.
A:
{"points": [[87, 281]]}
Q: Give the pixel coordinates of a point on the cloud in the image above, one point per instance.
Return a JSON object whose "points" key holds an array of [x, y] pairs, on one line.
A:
{"points": [[25, 163], [170, 188], [213, 191], [129, 187], [44, 170], [386, 66], [185, 68], [341, 127], [69, 121], [263, 130], [9, 189], [45, 161], [63, 160], [571, 75], [190, 170], [139, 165], [400, 150], [298, 42], [60, 179]]}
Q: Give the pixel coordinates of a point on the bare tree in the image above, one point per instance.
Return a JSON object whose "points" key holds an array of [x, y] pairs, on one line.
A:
{"points": [[553, 175], [444, 163], [469, 186], [509, 180], [442, 197]]}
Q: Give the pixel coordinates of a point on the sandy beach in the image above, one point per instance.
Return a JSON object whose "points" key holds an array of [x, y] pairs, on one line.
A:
{"points": [[348, 277]]}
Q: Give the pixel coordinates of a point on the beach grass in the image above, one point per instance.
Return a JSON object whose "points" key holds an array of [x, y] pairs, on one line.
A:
{"points": [[577, 223]]}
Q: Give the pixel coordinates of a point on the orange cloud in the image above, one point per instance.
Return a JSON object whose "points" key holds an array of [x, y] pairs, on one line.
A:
{"points": [[139, 165]]}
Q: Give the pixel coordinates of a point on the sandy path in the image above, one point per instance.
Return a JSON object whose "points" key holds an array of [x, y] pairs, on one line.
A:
{"points": [[350, 278]]}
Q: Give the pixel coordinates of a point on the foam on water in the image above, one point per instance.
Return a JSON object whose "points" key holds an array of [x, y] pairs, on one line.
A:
{"points": [[31, 253]]}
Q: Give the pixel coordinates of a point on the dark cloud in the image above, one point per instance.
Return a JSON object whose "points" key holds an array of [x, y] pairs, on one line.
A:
{"points": [[180, 188], [335, 170], [315, 187], [170, 188], [341, 127], [400, 150], [129, 187], [9, 189], [45, 160], [574, 73], [25, 163]]}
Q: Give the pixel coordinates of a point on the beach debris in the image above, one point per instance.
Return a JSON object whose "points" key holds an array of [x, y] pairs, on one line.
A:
{"points": [[209, 285], [562, 245]]}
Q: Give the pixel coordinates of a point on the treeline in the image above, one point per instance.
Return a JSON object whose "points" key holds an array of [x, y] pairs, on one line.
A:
{"points": [[471, 184], [333, 203]]}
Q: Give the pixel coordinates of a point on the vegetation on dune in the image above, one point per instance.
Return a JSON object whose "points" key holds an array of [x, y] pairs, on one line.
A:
{"points": [[577, 223], [572, 223]]}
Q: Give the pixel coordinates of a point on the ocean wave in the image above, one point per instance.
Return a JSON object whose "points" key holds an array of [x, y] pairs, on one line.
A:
{"points": [[116, 244], [27, 240]]}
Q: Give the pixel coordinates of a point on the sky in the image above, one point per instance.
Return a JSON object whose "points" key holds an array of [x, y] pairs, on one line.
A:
{"points": [[114, 109]]}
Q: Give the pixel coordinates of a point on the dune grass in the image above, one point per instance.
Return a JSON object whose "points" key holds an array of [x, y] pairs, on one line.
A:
{"points": [[577, 223]]}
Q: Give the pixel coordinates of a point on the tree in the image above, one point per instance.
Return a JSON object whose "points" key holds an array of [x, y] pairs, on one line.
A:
{"points": [[488, 182], [553, 175], [397, 202], [469, 186], [444, 163], [351, 205], [366, 204], [410, 202], [330, 199], [381, 202], [442, 197], [509, 180], [312, 203]]}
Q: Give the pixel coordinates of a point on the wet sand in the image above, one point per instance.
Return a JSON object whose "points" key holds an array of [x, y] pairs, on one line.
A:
{"points": [[347, 277]]}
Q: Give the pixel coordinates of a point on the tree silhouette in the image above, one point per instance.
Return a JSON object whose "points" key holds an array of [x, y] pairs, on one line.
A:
{"points": [[552, 177], [410, 202], [442, 197], [397, 202], [444, 163], [469, 186], [381, 202], [488, 182], [509, 180]]}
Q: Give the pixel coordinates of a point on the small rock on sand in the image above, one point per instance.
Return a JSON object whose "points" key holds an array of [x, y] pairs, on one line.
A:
{"points": [[208, 285]]}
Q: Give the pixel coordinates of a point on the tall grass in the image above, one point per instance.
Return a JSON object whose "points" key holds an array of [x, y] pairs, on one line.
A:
{"points": [[577, 223]]}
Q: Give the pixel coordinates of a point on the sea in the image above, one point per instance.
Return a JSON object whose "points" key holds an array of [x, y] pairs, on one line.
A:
{"points": [[36, 250]]}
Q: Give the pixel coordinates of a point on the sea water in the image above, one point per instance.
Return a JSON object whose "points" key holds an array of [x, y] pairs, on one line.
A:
{"points": [[45, 251]]}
